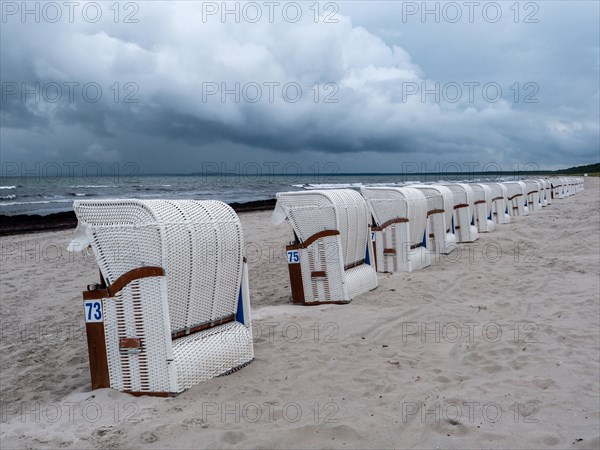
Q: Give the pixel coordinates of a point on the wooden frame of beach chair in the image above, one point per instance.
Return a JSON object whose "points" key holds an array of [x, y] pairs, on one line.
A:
{"points": [[440, 238], [500, 203], [516, 192], [482, 204], [533, 195], [464, 210], [172, 308], [400, 220], [331, 258]]}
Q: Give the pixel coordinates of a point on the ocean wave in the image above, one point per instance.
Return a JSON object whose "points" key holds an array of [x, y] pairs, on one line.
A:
{"points": [[357, 185], [90, 186], [8, 187], [148, 185], [389, 183], [7, 197], [329, 186], [38, 202]]}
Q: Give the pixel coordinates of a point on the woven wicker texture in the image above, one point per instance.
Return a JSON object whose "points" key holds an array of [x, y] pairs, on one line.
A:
{"points": [[344, 210], [532, 189], [544, 188], [390, 203], [463, 215], [399, 203], [483, 211], [200, 246], [337, 209], [438, 197], [439, 225], [517, 191], [500, 203]]}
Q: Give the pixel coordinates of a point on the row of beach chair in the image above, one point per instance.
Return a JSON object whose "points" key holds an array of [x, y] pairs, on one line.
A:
{"points": [[172, 307]]}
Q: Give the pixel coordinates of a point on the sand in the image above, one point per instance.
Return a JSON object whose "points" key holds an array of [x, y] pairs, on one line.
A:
{"points": [[486, 348]]}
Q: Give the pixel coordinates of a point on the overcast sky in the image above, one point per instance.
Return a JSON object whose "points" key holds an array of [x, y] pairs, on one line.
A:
{"points": [[369, 86]]}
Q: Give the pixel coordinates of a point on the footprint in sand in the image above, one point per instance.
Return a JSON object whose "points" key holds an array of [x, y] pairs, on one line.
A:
{"points": [[147, 437], [194, 422]]}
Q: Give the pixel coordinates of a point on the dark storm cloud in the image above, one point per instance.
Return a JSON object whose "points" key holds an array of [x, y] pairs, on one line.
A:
{"points": [[161, 83]]}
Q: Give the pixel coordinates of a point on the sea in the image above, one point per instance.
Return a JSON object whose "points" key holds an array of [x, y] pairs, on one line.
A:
{"points": [[47, 195]]}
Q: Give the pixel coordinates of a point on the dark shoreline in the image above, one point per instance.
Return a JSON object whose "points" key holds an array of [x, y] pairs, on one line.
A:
{"points": [[25, 223]]}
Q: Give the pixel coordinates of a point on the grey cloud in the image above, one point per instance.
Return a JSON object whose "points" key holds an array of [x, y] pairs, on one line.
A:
{"points": [[370, 55]]}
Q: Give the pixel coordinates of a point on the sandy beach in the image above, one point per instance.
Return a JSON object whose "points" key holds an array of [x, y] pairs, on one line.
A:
{"points": [[494, 346]]}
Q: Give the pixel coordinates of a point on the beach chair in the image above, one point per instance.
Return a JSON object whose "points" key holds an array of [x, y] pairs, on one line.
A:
{"points": [[482, 204], [532, 195], [400, 219], [330, 260], [172, 306], [575, 185], [569, 184], [563, 188], [499, 209], [567, 191], [555, 188], [544, 186], [440, 208], [516, 192], [548, 191], [463, 217]]}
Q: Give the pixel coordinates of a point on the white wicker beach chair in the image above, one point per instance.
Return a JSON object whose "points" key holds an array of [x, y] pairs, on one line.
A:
{"points": [[516, 191], [556, 188], [548, 191], [545, 197], [564, 190], [482, 201], [172, 308], [440, 208], [532, 195], [572, 185], [575, 185], [400, 220], [500, 203], [330, 259], [464, 208], [567, 191]]}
